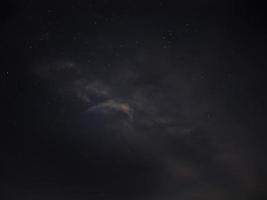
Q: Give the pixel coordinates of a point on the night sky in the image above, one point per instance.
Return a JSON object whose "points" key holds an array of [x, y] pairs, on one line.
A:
{"points": [[133, 100]]}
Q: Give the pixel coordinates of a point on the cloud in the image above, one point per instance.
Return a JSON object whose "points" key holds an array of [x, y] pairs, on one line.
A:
{"points": [[90, 92], [113, 106], [167, 120]]}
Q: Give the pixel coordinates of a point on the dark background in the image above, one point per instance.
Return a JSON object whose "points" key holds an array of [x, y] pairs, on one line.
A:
{"points": [[201, 63]]}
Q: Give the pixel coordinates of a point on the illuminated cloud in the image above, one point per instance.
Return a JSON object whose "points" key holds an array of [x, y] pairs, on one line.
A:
{"points": [[113, 106]]}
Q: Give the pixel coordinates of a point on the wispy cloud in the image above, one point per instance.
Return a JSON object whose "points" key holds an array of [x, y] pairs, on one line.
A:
{"points": [[113, 106], [167, 120]]}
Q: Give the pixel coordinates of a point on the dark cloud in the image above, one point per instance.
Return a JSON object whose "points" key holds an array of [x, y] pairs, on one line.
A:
{"points": [[165, 120]]}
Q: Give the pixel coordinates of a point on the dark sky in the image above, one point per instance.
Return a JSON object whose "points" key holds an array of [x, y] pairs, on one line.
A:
{"points": [[138, 100]]}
